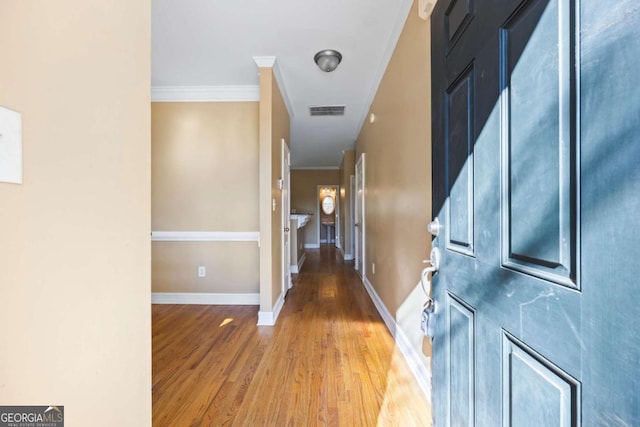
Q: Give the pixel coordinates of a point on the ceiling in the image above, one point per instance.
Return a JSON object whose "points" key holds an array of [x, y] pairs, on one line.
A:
{"points": [[212, 43]]}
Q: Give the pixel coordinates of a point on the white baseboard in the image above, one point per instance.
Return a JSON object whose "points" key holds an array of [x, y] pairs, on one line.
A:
{"points": [[204, 298], [295, 268], [268, 318], [348, 257], [205, 236], [312, 246], [411, 355]]}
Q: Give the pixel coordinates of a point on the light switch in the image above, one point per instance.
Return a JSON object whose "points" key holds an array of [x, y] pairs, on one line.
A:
{"points": [[10, 146]]}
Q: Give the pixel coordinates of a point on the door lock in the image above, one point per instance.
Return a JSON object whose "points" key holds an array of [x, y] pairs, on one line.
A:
{"points": [[434, 227]]}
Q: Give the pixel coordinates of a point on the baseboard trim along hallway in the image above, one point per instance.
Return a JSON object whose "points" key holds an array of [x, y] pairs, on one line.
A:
{"points": [[412, 357], [204, 298]]}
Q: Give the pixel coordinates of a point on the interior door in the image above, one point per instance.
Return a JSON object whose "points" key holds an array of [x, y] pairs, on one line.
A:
{"points": [[360, 218], [286, 223], [536, 181]]}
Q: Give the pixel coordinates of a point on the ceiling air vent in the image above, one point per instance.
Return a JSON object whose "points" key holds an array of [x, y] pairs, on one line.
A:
{"points": [[327, 110]]}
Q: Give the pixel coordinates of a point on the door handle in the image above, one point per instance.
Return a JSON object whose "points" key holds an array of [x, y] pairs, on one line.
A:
{"points": [[434, 266], [286, 229], [356, 224], [434, 260]]}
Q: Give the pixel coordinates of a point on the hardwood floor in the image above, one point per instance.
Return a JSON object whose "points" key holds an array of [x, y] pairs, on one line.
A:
{"points": [[329, 360]]}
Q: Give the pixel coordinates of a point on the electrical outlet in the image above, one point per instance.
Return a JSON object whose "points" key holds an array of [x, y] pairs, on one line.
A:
{"points": [[202, 271], [373, 268]]}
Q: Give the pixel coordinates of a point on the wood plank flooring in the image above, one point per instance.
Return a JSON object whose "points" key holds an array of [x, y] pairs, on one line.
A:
{"points": [[329, 361]]}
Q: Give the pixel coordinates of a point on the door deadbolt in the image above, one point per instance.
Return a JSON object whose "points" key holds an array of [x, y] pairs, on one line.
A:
{"points": [[434, 227]]}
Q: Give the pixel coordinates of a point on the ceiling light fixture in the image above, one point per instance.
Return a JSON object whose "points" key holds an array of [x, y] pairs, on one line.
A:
{"points": [[328, 59]]}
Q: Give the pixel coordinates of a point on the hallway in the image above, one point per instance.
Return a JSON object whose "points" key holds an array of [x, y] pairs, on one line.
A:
{"points": [[329, 360]]}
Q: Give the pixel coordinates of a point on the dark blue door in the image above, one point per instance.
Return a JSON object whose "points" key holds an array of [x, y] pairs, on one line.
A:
{"points": [[536, 151]]}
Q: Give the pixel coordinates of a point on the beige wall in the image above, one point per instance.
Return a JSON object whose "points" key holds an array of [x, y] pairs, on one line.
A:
{"points": [[205, 178], [232, 267], [398, 177], [274, 126], [304, 195], [347, 169], [74, 246], [204, 166]]}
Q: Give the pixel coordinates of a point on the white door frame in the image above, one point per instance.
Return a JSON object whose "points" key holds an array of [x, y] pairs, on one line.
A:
{"points": [[352, 219], [336, 213], [285, 205], [360, 211]]}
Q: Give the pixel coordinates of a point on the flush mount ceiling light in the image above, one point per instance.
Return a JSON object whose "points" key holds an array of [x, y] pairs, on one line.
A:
{"points": [[328, 59]]}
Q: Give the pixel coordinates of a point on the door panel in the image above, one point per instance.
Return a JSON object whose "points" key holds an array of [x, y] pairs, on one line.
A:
{"points": [[459, 152], [461, 356], [537, 184], [535, 392], [457, 17], [539, 180]]}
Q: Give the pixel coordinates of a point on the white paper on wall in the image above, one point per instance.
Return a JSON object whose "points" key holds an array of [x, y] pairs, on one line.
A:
{"points": [[10, 146]]}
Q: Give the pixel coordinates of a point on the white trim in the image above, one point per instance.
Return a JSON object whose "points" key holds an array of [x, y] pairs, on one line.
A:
{"points": [[205, 236], [283, 90], [314, 168], [264, 61], [285, 206], [348, 257], [295, 268], [378, 73], [239, 93], [204, 298], [411, 355], [312, 246], [268, 318], [271, 62], [425, 8]]}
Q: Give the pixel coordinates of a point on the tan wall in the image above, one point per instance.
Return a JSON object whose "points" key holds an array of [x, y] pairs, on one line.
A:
{"points": [[347, 168], [75, 252], [274, 126], [398, 175], [232, 267], [204, 166], [205, 178], [304, 195]]}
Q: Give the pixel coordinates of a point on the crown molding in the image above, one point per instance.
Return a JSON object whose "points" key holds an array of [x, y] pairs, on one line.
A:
{"points": [[270, 62], [378, 73], [246, 93], [425, 8], [265, 61]]}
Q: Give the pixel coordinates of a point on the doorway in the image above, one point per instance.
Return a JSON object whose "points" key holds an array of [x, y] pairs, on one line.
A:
{"points": [[359, 223], [328, 214], [285, 215]]}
